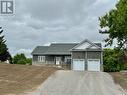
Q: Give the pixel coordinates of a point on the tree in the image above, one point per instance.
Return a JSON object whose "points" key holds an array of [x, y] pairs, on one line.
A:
{"points": [[114, 23], [21, 59], [4, 53]]}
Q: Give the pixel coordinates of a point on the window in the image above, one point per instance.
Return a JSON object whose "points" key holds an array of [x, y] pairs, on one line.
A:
{"points": [[41, 58]]}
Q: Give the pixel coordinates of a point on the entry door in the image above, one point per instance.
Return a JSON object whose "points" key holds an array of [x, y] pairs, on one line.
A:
{"points": [[93, 65], [78, 64], [58, 60]]}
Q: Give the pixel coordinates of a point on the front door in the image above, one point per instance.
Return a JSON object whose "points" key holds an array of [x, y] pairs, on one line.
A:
{"points": [[58, 60]]}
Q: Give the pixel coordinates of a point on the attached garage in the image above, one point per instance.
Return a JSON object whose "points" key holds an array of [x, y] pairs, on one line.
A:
{"points": [[78, 64], [87, 56], [93, 65]]}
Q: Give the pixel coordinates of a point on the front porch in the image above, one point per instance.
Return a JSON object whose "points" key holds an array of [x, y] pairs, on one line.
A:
{"points": [[58, 59], [62, 61]]}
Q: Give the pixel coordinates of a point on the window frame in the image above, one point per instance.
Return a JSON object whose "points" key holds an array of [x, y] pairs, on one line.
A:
{"points": [[41, 58]]}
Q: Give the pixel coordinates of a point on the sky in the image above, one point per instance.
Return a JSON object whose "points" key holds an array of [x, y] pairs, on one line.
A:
{"points": [[41, 22]]}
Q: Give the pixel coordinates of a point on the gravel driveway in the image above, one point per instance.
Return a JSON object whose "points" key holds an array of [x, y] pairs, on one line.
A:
{"points": [[79, 83]]}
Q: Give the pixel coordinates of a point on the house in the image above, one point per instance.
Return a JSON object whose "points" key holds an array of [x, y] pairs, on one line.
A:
{"points": [[84, 56]]}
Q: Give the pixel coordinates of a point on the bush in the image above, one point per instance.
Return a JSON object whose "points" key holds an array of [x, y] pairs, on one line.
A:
{"points": [[21, 59], [124, 66], [29, 61], [111, 61], [21, 62], [111, 65]]}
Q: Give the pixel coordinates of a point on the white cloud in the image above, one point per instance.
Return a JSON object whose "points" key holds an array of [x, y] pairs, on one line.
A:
{"points": [[24, 51]]}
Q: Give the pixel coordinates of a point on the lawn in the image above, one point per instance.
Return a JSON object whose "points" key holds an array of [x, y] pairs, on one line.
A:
{"points": [[16, 79], [120, 78]]}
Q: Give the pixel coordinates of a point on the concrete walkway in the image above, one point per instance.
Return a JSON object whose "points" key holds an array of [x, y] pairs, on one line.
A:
{"points": [[79, 83]]}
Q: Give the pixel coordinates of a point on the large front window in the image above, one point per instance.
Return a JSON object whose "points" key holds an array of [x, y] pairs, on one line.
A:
{"points": [[41, 58]]}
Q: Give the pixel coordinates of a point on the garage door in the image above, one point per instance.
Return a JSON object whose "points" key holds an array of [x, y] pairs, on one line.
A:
{"points": [[93, 65], [78, 64]]}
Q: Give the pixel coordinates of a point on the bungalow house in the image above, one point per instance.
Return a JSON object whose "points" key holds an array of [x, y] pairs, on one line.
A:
{"points": [[82, 56]]}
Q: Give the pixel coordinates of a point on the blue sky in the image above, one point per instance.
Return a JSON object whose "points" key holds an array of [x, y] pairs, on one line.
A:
{"points": [[40, 22]]}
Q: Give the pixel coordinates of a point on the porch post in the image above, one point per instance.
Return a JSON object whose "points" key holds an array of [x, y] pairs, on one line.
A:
{"points": [[71, 61], [86, 60], [102, 61]]}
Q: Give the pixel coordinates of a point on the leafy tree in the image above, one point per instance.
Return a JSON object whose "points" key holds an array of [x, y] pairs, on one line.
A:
{"points": [[21, 59], [114, 23], [4, 53]]}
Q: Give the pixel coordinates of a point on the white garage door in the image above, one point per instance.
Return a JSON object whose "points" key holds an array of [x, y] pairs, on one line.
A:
{"points": [[78, 64], [93, 65]]}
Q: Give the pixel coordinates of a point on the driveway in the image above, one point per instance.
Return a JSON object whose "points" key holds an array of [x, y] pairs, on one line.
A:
{"points": [[79, 83]]}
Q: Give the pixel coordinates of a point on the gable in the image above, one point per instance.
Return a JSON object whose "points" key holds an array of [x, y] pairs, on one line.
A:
{"points": [[83, 46], [93, 47], [86, 44]]}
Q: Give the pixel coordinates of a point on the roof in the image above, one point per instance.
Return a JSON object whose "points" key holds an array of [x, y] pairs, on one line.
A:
{"points": [[40, 50], [98, 44], [56, 49], [60, 48]]}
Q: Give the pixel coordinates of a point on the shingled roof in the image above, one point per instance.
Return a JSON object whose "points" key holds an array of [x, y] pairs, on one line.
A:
{"points": [[56, 49], [60, 48], [40, 50]]}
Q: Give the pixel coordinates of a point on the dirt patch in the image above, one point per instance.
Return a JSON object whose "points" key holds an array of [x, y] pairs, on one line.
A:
{"points": [[120, 78], [16, 79]]}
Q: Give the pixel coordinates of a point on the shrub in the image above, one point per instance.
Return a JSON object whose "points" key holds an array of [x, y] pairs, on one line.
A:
{"points": [[111, 61], [111, 64], [124, 66], [21, 59], [29, 61]]}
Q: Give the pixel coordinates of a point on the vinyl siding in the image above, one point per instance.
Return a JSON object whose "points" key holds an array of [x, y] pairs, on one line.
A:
{"points": [[35, 58], [50, 60], [82, 54], [78, 55], [93, 55]]}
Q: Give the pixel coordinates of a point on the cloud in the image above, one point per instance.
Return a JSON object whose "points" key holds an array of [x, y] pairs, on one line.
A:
{"points": [[40, 22], [25, 51]]}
